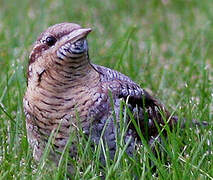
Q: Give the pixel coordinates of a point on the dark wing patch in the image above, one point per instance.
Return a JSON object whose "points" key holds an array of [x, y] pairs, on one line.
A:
{"points": [[145, 108]]}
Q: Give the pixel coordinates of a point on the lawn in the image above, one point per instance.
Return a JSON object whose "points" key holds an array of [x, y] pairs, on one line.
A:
{"points": [[166, 46]]}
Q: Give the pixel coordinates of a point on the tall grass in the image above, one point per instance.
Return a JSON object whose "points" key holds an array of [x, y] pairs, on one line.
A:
{"points": [[165, 46]]}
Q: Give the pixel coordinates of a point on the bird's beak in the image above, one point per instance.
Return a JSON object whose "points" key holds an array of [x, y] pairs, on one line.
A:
{"points": [[72, 37], [78, 34], [84, 31]]}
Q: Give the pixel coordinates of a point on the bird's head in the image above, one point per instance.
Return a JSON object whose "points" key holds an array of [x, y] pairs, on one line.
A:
{"points": [[65, 42]]}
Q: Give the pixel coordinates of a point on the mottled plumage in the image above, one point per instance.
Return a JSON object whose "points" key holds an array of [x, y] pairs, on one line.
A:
{"points": [[62, 83]]}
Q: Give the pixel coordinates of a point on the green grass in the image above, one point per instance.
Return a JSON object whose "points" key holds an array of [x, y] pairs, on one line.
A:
{"points": [[164, 45]]}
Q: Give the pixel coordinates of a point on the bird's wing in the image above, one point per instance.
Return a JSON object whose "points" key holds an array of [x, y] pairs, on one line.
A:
{"points": [[146, 108]]}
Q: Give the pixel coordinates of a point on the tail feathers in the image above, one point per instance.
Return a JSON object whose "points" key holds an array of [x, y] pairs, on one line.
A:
{"points": [[193, 122]]}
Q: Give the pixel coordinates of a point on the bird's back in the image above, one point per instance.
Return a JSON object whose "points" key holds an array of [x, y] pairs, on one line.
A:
{"points": [[143, 107]]}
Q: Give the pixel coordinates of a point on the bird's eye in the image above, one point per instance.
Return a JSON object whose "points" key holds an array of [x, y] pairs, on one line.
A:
{"points": [[51, 40]]}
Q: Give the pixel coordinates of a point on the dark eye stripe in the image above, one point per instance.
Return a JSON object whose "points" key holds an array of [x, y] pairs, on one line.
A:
{"points": [[37, 51]]}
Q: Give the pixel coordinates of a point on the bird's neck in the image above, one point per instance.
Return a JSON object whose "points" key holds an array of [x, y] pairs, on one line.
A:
{"points": [[72, 69], [63, 75], [62, 89], [77, 72]]}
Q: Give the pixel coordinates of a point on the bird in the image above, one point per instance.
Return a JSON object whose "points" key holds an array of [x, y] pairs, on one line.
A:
{"points": [[66, 91]]}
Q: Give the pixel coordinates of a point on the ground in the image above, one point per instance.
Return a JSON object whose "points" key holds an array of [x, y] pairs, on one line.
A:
{"points": [[164, 45]]}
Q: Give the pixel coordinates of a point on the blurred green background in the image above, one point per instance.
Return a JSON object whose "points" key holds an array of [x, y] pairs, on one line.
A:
{"points": [[164, 45], [143, 39]]}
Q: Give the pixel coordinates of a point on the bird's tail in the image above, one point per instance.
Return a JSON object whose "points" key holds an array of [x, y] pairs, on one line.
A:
{"points": [[183, 122]]}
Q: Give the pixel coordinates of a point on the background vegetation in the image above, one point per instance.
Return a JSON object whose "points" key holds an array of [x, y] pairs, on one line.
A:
{"points": [[164, 45]]}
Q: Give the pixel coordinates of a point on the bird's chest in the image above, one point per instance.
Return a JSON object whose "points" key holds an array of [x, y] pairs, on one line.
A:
{"points": [[77, 104]]}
